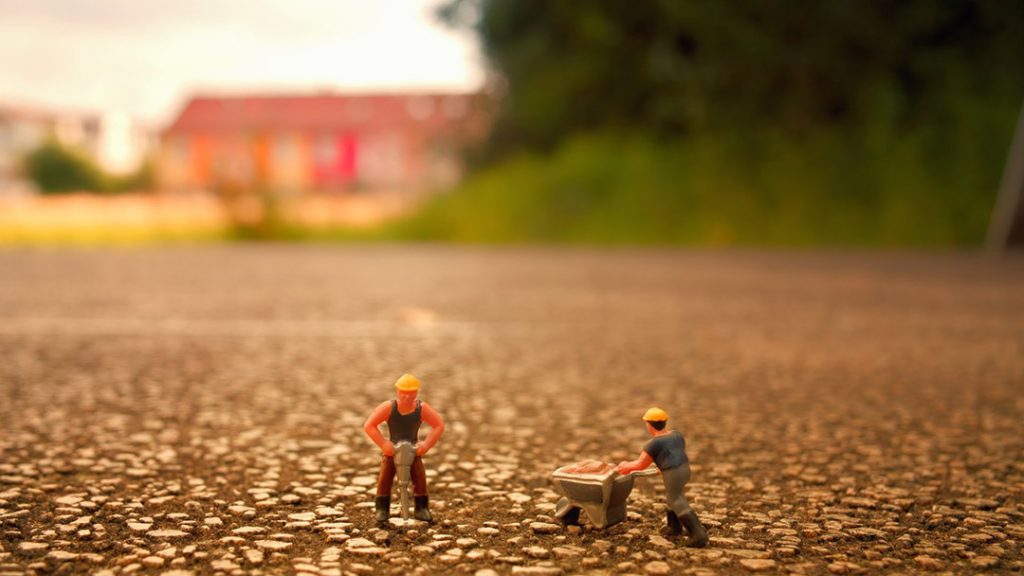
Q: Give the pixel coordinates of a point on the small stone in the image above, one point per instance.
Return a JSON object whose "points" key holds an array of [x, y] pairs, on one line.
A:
{"points": [[61, 556], [984, 562], [657, 568], [273, 545], [661, 542], [537, 552], [544, 528], [302, 517], [166, 534], [153, 561], [32, 547], [757, 564], [537, 570], [253, 556], [845, 568], [926, 562], [358, 543], [224, 565], [567, 551], [867, 533], [213, 521]]}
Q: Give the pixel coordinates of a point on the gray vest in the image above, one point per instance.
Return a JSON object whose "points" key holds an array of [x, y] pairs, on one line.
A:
{"points": [[404, 426]]}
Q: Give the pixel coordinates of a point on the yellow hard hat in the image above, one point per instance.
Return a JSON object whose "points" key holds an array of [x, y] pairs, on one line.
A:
{"points": [[408, 383], [655, 415]]}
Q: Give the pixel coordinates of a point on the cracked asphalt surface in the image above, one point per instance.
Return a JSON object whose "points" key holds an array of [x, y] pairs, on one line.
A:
{"points": [[197, 410]]}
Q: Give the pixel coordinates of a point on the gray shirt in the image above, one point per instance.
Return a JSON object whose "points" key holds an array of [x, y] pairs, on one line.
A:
{"points": [[668, 450]]}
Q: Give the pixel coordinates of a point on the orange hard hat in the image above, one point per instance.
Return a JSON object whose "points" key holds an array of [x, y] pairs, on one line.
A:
{"points": [[408, 383], [655, 415]]}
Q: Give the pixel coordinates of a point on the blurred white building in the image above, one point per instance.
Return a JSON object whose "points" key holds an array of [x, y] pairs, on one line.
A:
{"points": [[114, 141]]}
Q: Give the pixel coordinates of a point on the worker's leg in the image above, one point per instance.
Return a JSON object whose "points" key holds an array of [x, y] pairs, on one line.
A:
{"points": [[675, 480], [419, 477], [387, 476], [419, 490], [384, 482]]}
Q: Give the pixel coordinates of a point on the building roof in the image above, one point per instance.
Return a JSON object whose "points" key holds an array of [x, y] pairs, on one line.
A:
{"points": [[324, 112]]}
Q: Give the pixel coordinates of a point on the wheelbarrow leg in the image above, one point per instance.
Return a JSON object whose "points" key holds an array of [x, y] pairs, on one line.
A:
{"points": [[567, 512], [615, 514]]}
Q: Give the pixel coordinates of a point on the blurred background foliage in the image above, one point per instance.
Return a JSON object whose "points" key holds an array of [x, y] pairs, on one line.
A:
{"points": [[58, 169], [718, 122]]}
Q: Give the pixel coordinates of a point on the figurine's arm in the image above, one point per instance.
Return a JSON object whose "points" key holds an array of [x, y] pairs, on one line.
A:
{"points": [[433, 419], [379, 415], [640, 463]]}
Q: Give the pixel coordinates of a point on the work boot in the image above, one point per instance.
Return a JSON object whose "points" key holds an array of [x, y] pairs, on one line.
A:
{"points": [[675, 528], [422, 510], [698, 535], [383, 505]]}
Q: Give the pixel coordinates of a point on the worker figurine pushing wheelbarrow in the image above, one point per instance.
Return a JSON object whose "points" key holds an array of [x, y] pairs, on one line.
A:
{"points": [[667, 450], [403, 448]]}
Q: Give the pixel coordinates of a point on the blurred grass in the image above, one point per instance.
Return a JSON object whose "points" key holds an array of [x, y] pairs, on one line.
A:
{"points": [[873, 185], [110, 236]]}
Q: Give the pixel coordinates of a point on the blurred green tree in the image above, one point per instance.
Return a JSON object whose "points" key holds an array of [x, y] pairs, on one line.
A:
{"points": [[671, 67], [739, 121], [57, 169]]}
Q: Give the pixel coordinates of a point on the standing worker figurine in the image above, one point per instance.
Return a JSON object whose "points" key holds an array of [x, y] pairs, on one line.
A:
{"points": [[668, 451], [404, 416]]}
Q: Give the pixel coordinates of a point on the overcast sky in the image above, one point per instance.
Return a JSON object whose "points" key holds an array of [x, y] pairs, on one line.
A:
{"points": [[144, 57]]}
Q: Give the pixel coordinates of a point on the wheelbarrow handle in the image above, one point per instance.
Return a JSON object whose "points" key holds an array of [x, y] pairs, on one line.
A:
{"points": [[650, 471]]}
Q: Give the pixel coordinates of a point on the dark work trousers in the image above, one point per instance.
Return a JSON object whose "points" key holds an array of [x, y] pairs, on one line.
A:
{"points": [[387, 477], [675, 479]]}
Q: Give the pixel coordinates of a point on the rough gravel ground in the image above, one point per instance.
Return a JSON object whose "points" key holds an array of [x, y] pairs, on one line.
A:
{"points": [[198, 410]]}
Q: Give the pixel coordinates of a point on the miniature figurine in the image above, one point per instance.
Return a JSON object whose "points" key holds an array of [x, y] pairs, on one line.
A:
{"points": [[667, 450], [403, 416], [594, 487]]}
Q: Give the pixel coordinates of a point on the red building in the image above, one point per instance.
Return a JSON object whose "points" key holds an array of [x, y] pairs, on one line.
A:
{"points": [[291, 144]]}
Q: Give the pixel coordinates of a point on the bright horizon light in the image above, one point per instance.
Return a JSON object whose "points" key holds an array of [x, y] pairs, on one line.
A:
{"points": [[145, 59]]}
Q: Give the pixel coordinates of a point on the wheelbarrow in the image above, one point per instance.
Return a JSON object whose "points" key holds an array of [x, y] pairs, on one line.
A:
{"points": [[405, 454], [601, 495]]}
